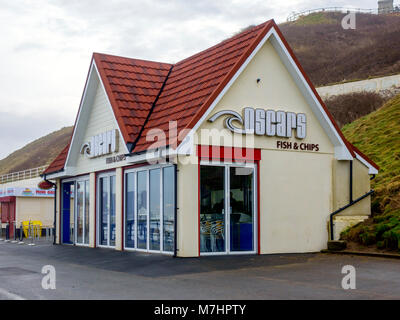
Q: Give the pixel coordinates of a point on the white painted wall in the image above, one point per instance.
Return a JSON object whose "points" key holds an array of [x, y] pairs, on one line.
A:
{"points": [[296, 200], [96, 117], [101, 119], [188, 213], [370, 85], [41, 209]]}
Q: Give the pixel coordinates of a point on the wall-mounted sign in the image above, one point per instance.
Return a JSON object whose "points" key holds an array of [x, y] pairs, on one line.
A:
{"points": [[286, 145], [265, 122], [114, 159], [45, 185], [101, 144], [26, 192]]}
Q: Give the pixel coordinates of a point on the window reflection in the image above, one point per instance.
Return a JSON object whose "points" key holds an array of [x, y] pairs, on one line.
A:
{"points": [[169, 207], [107, 210], [79, 212], [212, 214], [104, 211], [241, 209], [129, 211], [151, 225], [142, 210], [155, 194]]}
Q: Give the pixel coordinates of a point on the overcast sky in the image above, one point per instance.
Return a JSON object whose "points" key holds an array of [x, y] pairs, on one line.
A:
{"points": [[47, 46]]}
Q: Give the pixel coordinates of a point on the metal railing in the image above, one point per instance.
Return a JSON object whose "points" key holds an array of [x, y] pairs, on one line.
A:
{"points": [[295, 15], [22, 175], [35, 233]]}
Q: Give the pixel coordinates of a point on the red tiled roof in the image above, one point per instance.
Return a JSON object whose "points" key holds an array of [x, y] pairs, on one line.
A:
{"points": [[147, 95], [132, 86], [195, 82], [58, 163]]}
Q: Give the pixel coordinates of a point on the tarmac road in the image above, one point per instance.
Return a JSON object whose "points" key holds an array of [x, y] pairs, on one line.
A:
{"points": [[83, 273]]}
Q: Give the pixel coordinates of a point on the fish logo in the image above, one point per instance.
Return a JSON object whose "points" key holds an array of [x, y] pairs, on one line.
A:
{"points": [[85, 149], [234, 116]]}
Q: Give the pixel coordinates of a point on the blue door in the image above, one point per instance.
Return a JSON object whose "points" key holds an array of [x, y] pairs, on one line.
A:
{"points": [[67, 214]]}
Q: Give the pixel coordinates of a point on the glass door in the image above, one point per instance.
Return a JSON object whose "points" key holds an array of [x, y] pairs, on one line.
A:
{"points": [[106, 210], [224, 186], [212, 209], [241, 209], [82, 212]]}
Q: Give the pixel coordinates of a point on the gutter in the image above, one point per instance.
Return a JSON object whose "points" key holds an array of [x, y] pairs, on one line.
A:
{"points": [[351, 203], [55, 207]]}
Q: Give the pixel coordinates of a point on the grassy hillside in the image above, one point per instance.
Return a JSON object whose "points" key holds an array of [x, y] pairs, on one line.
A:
{"points": [[330, 54], [37, 153], [378, 135]]}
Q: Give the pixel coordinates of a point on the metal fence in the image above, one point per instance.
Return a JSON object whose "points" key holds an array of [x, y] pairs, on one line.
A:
{"points": [[31, 234], [22, 175], [295, 15]]}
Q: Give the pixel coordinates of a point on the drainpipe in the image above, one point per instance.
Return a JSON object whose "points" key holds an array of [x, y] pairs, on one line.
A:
{"points": [[55, 207], [176, 211], [351, 202], [351, 182]]}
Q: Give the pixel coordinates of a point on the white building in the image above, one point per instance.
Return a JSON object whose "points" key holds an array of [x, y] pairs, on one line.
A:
{"points": [[228, 151]]}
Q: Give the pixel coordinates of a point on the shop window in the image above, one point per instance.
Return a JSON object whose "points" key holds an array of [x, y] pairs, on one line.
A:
{"points": [[106, 211], [212, 214], [155, 203], [130, 233], [80, 195], [142, 210], [227, 211], [150, 209]]}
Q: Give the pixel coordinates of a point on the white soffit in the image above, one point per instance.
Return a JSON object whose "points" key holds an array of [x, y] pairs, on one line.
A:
{"points": [[371, 169]]}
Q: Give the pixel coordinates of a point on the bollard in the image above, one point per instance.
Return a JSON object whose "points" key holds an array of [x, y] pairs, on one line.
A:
{"points": [[30, 233], [38, 232], [7, 233], [48, 233], [1, 231], [14, 228], [71, 234], [21, 234]]}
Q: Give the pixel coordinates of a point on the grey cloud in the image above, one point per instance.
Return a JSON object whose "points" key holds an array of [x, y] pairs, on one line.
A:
{"points": [[16, 130], [27, 46]]}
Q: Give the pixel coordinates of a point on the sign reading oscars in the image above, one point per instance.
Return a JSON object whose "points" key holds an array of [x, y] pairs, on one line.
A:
{"points": [[101, 144], [265, 122]]}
